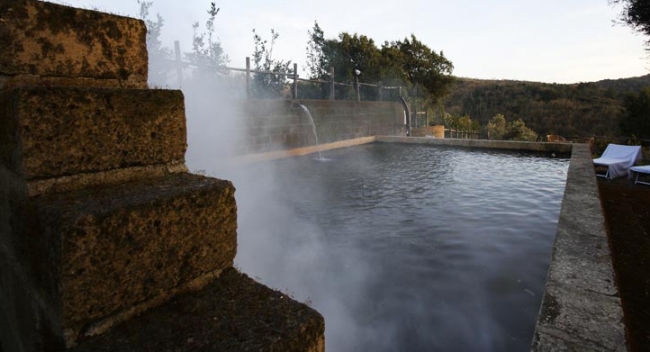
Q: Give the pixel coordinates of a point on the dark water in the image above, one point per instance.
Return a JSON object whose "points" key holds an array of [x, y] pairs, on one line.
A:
{"points": [[406, 248]]}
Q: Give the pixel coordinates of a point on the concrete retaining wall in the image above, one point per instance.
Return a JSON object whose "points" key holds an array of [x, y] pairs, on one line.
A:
{"points": [[273, 125]]}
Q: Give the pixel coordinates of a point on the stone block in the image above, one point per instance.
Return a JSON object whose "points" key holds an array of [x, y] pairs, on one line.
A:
{"points": [[51, 132], [582, 315], [100, 251], [49, 40], [234, 313]]}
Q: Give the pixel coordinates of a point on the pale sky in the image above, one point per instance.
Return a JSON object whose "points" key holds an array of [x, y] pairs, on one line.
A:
{"points": [[563, 41]]}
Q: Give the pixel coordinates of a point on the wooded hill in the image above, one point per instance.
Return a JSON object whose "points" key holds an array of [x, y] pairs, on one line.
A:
{"points": [[570, 110]]}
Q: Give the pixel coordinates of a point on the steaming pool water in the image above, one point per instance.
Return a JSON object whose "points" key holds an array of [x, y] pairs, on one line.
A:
{"points": [[406, 248]]}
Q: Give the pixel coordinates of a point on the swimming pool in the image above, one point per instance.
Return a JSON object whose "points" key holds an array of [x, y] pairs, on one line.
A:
{"points": [[406, 248]]}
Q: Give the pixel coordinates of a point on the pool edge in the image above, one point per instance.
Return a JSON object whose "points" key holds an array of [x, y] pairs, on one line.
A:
{"points": [[564, 148], [581, 308]]}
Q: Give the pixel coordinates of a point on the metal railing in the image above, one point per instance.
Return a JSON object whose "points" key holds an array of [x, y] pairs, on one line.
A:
{"points": [[179, 65]]}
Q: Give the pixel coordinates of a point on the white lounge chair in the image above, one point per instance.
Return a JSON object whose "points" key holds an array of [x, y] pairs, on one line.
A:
{"points": [[618, 159], [638, 170]]}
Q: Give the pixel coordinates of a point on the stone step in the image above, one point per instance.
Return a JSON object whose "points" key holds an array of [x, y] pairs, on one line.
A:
{"points": [[46, 43], [233, 313], [102, 254], [49, 132]]}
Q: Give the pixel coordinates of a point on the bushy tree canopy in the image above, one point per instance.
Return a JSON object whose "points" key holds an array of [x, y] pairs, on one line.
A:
{"points": [[637, 117], [496, 128], [408, 62], [636, 14]]}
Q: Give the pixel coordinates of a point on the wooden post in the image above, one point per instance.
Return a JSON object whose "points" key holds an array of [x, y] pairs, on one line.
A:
{"points": [[295, 81], [179, 64], [415, 106], [381, 92], [332, 88], [248, 77]]}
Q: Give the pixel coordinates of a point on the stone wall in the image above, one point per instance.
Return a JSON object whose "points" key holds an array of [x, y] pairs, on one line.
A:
{"points": [[272, 125], [100, 222]]}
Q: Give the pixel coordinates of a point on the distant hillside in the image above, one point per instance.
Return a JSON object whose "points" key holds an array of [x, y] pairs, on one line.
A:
{"points": [[582, 109], [625, 85]]}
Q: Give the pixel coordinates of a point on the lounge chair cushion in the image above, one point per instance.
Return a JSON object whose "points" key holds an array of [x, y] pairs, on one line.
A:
{"points": [[618, 159]]}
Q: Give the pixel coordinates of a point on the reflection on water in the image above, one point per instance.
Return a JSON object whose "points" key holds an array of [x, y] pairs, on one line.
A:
{"points": [[406, 248]]}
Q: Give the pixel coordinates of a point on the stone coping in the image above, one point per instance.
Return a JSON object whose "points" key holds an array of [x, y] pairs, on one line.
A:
{"points": [[581, 309], [280, 154], [482, 144]]}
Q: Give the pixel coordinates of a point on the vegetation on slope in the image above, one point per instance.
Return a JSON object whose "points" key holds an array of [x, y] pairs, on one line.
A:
{"points": [[583, 109]]}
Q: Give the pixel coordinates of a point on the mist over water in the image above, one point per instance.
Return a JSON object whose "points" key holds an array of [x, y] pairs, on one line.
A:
{"points": [[401, 248], [404, 248]]}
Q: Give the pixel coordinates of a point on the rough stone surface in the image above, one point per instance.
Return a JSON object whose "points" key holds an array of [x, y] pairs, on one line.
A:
{"points": [[581, 309], [101, 250], [557, 341], [53, 132], [49, 40], [583, 315], [234, 313], [79, 181]]}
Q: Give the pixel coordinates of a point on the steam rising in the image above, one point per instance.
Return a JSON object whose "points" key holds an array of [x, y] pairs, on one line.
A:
{"points": [[284, 243]]}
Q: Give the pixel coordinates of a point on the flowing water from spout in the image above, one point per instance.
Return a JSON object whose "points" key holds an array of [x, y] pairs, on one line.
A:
{"points": [[313, 126]]}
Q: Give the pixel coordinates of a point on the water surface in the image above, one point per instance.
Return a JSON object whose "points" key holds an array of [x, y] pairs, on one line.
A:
{"points": [[406, 248]]}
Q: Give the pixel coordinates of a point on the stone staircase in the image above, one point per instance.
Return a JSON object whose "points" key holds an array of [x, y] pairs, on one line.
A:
{"points": [[107, 243]]}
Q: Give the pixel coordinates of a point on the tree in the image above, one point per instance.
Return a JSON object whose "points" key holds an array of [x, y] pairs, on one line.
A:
{"points": [[408, 63], [316, 59], [207, 55], [496, 128], [636, 120], [424, 67], [636, 14], [159, 55], [517, 130], [266, 85]]}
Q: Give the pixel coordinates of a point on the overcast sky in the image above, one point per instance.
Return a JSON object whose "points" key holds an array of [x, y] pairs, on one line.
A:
{"points": [[563, 41]]}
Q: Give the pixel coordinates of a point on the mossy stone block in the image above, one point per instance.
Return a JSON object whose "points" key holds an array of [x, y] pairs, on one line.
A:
{"points": [[45, 39], [102, 250], [49, 132]]}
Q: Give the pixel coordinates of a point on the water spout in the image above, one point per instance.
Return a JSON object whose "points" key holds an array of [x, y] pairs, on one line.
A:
{"points": [[313, 125]]}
